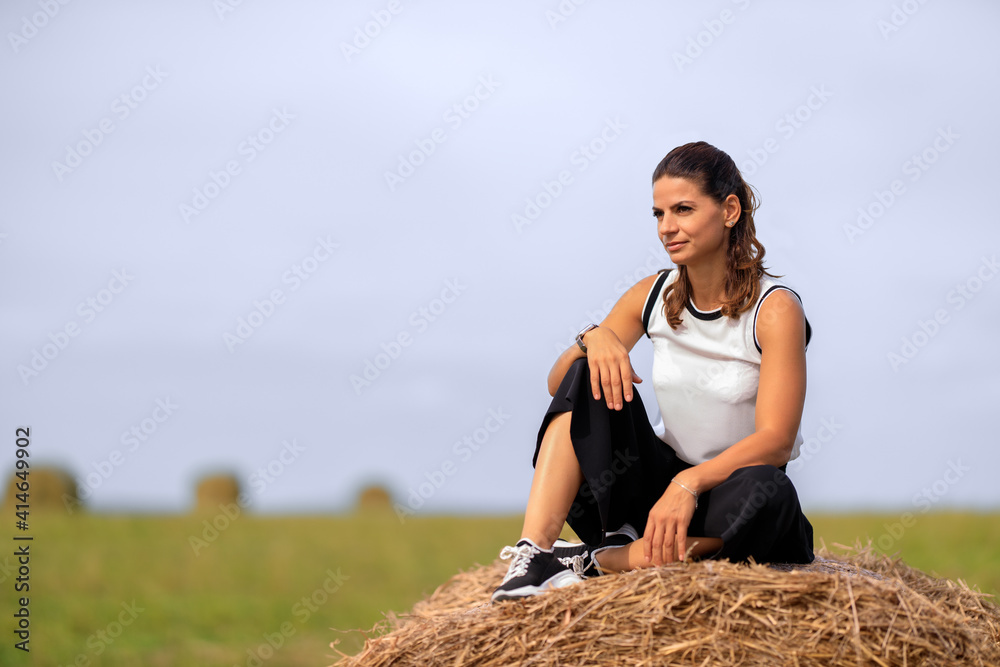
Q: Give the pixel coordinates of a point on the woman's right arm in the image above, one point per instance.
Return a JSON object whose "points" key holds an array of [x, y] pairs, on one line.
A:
{"points": [[608, 347]]}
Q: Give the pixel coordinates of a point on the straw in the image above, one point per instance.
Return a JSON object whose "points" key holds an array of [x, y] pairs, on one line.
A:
{"points": [[856, 608]]}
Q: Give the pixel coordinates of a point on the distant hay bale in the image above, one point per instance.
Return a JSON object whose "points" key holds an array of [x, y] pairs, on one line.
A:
{"points": [[856, 609], [49, 488], [374, 498], [215, 490]]}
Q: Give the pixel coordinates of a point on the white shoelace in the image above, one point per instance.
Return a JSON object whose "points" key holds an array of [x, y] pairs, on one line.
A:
{"points": [[522, 557], [577, 563]]}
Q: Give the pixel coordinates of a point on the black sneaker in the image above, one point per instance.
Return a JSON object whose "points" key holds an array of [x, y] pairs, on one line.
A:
{"points": [[533, 571], [568, 552]]}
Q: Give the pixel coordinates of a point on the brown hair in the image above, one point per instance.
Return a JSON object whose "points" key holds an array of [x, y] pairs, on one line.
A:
{"points": [[716, 174]]}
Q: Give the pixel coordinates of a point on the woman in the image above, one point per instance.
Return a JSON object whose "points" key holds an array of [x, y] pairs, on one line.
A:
{"points": [[729, 373]]}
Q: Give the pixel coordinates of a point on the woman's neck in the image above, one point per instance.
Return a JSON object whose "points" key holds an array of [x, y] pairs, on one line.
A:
{"points": [[708, 285]]}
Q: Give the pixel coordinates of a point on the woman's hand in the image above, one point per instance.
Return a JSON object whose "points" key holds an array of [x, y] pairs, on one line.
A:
{"points": [[665, 539], [607, 348], [610, 367]]}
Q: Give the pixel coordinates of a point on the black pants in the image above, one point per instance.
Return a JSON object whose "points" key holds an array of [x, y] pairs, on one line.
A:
{"points": [[626, 469]]}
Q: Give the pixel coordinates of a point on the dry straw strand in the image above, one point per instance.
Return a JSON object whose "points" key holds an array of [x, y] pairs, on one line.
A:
{"points": [[840, 611]]}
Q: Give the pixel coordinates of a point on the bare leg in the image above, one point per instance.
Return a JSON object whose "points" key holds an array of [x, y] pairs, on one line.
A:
{"points": [[631, 556], [554, 486]]}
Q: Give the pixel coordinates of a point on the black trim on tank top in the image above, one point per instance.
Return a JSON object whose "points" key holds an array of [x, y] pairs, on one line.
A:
{"points": [[651, 300], [709, 316], [757, 312]]}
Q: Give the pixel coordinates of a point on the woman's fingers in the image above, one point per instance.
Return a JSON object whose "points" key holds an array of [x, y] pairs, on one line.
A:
{"points": [[668, 546], [659, 541], [665, 537], [618, 377], [654, 543], [613, 381], [595, 378], [602, 381], [612, 384], [611, 373], [635, 376]]}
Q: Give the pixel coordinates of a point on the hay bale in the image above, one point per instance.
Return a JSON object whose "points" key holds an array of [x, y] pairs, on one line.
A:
{"points": [[50, 488], [214, 490], [374, 498], [855, 609]]}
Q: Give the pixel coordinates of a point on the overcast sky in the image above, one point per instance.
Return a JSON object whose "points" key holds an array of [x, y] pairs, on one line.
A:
{"points": [[320, 245]]}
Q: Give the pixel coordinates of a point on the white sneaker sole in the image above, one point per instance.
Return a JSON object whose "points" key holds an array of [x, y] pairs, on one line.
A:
{"points": [[558, 580]]}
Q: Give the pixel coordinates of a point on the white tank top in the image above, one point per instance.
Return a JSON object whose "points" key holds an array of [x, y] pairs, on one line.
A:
{"points": [[706, 373]]}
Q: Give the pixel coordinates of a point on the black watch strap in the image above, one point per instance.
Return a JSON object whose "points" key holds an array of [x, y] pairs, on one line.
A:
{"points": [[584, 332]]}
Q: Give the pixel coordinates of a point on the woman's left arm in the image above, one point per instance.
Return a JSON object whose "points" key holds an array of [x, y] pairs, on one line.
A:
{"points": [[781, 394]]}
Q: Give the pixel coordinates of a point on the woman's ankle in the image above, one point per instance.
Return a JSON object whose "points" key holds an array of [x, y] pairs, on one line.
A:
{"points": [[539, 540], [612, 559]]}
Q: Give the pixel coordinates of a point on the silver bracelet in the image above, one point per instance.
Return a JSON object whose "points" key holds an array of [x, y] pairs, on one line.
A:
{"points": [[693, 493]]}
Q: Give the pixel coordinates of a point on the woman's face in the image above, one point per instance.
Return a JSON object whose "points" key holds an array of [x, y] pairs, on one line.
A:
{"points": [[691, 225]]}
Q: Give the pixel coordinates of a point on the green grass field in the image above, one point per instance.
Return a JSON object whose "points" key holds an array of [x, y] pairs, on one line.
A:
{"points": [[108, 590]]}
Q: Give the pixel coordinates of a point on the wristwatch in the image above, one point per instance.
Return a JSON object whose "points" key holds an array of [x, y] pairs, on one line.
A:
{"points": [[583, 332]]}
